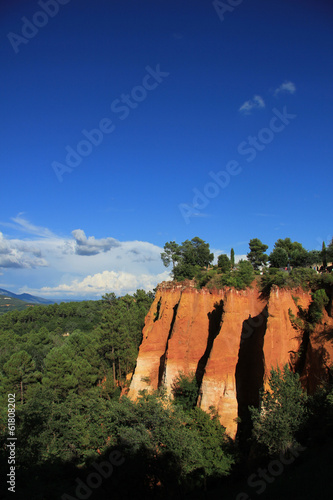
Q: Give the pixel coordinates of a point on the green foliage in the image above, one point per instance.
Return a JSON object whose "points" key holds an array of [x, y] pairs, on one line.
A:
{"points": [[314, 257], [278, 258], [20, 370], [296, 254], [241, 278], [244, 274], [12, 305], [319, 301], [224, 263], [42, 342], [304, 277], [216, 452], [185, 390], [281, 412], [205, 277], [189, 445], [299, 277], [324, 255], [296, 322], [172, 252], [119, 333], [257, 255], [188, 258], [307, 319], [299, 257], [232, 258]]}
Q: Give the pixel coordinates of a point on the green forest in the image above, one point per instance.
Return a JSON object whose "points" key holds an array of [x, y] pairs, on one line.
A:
{"points": [[79, 436]]}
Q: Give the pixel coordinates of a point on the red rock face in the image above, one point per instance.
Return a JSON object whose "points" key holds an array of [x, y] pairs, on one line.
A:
{"points": [[196, 325], [240, 320], [282, 341], [230, 340], [158, 323]]}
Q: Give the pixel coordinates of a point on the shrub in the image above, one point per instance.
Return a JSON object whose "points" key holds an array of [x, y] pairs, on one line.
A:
{"points": [[281, 412], [185, 390], [319, 301]]}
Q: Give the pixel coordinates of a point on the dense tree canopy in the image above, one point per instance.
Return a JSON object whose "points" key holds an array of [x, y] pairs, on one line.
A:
{"points": [[297, 256]]}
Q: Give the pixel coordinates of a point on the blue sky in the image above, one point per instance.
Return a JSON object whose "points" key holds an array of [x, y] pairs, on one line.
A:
{"points": [[127, 124]]}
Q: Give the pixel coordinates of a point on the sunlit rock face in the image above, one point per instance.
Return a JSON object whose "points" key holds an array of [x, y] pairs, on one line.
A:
{"points": [[229, 340]]}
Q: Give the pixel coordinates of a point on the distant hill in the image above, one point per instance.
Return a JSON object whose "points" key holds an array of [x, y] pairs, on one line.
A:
{"points": [[8, 304], [25, 297]]}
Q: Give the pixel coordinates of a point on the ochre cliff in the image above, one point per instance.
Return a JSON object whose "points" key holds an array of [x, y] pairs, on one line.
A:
{"points": [[229, 340], [243, 312]]}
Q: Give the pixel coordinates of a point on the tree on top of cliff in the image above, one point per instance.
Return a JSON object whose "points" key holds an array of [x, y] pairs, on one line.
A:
{"points": [[187, 258], [171, 253], [257, 255], [297, 255], [223, 263], [232, 258], [324, 254], [278, 258]]}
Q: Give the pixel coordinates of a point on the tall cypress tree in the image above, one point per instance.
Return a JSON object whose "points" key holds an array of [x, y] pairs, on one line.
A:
{"points": [[324, 255], [232, 258]]}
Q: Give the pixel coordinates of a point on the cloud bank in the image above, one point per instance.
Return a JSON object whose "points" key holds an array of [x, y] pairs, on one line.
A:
{"points": [[77, 266]]}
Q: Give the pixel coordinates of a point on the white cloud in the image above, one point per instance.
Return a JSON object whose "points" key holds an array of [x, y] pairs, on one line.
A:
{"points": [[107, 281], [25, 226], [77, 265], [19, 254], [286, 87], [256, 102]]}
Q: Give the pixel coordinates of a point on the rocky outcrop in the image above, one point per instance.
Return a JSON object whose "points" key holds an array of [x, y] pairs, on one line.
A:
{"points": [[229, 340]]}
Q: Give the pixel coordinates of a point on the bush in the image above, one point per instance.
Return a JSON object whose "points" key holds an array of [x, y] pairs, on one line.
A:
{"points": [[319, 301], [241, 278], [185, 390], [305, 278], [281, 412], [204, 277]]}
